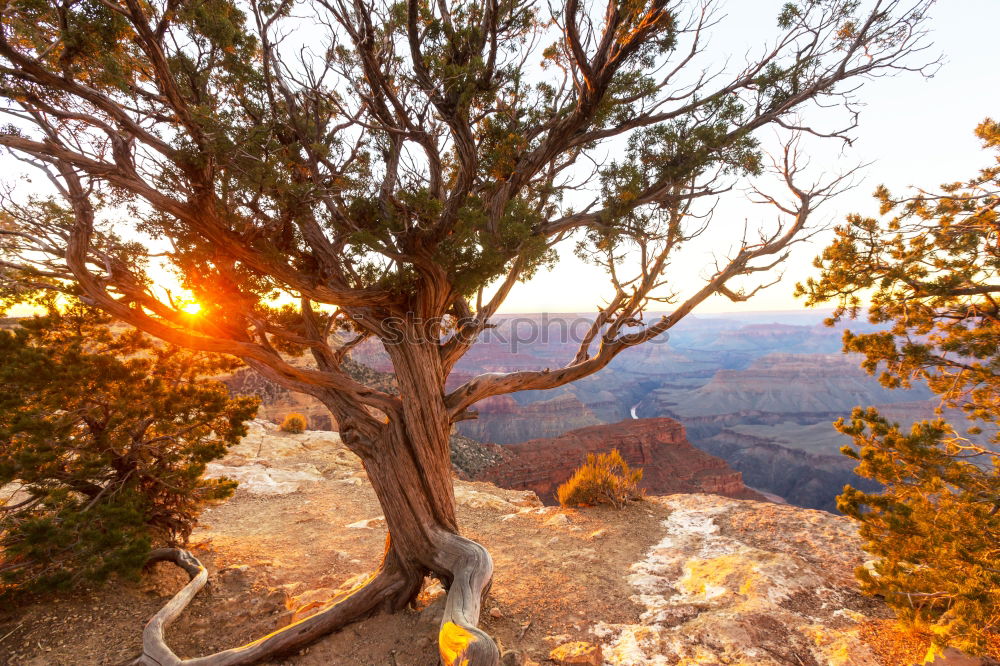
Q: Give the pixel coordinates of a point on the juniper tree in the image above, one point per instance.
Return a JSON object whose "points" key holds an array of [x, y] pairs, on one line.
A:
{"points": [[930, 274], [104, 437], [394, 170]]}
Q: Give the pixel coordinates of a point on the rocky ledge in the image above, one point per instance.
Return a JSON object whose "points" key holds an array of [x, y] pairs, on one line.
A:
{"points": [[679, 579], [746, 582]]}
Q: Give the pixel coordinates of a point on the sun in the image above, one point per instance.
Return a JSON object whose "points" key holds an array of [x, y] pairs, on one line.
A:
{"points": [[191, 307]]}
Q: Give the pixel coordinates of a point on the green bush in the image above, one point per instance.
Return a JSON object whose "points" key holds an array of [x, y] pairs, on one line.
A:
{"points": [[107, 436], [926, 271], [294, 423], [603, 479], [933, 530]]}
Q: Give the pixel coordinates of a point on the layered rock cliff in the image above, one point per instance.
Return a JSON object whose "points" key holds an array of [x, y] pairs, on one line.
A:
{"points": [[799, 477], [788, 384], [659, 446], [778, 337], [772, 420]]}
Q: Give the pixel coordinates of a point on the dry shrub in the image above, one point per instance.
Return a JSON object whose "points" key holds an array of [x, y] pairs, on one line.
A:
{"points": [[604, 478], [294, 423]]}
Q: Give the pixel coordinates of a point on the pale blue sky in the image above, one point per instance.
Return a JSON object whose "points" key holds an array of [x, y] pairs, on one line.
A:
{"points": [[915, 131]]}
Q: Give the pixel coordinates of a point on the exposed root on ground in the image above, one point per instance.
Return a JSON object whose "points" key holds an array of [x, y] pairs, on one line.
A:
{"points": [[355, 605], [466, 567], [460, 641]]}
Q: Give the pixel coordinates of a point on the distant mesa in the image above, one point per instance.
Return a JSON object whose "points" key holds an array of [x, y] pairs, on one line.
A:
{"points": [[789, 383]]}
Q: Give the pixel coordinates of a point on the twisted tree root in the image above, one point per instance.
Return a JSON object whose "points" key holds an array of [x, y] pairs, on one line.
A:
{"points": [[355, 605], [460, 641]]}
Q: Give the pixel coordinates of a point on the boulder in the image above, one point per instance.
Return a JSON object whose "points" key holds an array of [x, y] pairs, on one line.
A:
{"points": [[475, 499], [558, 520]]}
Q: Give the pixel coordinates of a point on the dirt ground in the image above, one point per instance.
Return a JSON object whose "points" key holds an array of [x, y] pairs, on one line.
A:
{"points": [[276, 558], [269, 555]]}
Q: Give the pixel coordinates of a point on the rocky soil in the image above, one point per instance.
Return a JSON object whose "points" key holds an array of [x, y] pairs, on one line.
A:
{"points": [[682, 579], [469, 458]]}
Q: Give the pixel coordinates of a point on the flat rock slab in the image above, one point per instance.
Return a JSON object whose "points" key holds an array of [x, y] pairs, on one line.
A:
{"points": [[258, 479], [736, 581]]}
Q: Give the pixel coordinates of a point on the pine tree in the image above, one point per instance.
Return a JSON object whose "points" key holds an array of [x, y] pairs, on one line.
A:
{"points": [[105, 436], [931, 273]]}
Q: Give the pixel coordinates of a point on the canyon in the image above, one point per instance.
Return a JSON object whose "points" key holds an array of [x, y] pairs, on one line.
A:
{"points": [[760, 391], [772, 420], [676, 579], [659, 446]]}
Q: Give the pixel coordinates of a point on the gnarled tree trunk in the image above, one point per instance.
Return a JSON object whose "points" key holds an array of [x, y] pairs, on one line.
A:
{"points": [[409, 466], [419, 507]]}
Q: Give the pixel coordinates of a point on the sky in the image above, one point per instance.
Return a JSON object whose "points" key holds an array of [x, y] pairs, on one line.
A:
{"points": [[913, 131]]}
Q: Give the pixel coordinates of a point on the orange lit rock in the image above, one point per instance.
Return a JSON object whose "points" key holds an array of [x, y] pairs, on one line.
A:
{"points": [[452, 642], [659, 446], [579, 652]]}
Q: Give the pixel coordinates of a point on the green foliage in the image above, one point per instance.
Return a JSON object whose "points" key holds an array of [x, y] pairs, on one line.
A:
{"points": [[105, 436], [604, 478], [294, 423], [929, 274], [934, 530], [452, 177]]}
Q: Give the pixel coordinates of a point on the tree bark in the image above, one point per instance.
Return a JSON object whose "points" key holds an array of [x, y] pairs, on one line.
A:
{"points": [[409, 467], [419, 506], [410, 471]]}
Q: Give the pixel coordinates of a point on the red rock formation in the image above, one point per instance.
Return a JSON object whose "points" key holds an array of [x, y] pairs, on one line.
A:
{"points": [[659, 446]]}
